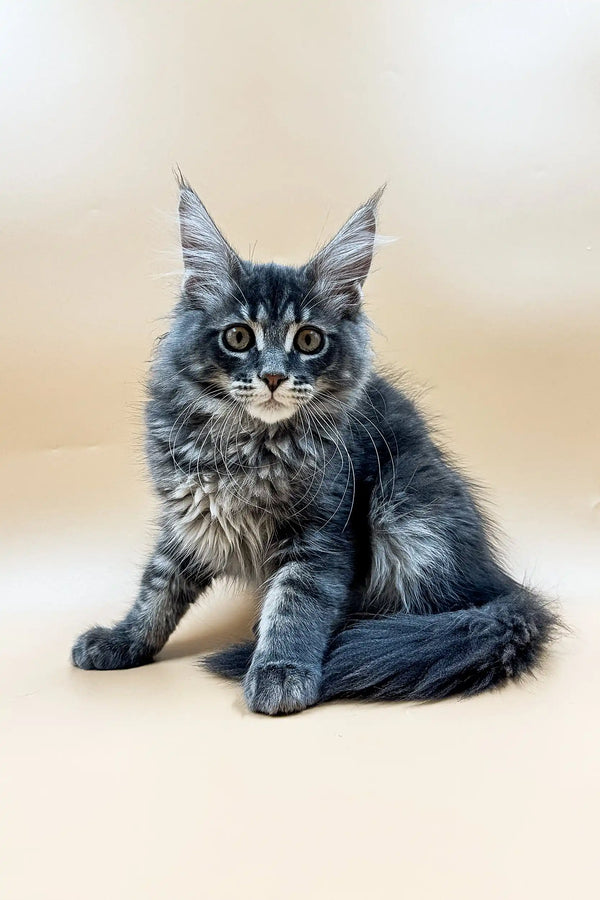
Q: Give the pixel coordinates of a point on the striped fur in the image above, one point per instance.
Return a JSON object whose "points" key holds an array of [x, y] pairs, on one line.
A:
{"points": [[317, 479]]}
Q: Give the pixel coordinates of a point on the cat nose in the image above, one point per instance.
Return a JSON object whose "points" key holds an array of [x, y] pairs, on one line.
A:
{"points": [[273, 380]]}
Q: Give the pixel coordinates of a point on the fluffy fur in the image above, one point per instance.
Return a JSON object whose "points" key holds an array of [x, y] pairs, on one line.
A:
{"points": [[279, 455]]}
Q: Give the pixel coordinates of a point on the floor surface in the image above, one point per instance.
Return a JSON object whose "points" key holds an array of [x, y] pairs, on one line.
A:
{"points": [[158, 783]]}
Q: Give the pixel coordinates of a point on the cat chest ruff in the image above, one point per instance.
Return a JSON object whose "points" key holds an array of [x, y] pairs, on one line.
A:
{"points": [[216, 518]]}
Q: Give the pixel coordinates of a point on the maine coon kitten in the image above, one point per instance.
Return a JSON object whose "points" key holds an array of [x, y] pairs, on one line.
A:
{"points": [[278, 454]]}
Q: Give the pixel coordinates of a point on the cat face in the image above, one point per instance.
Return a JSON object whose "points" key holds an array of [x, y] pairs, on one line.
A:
{"points": [[271, 340]]}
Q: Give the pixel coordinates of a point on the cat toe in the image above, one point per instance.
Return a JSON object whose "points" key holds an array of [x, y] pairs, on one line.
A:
{"points": [[280, 688], [106, 648]]}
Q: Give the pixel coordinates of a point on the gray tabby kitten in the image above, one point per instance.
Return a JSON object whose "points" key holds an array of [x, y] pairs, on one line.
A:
{"points": [[281, 456]]}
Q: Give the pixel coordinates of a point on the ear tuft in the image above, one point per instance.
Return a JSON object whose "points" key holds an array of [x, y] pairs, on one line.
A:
{"points": [[182, 182], [341, 266]]}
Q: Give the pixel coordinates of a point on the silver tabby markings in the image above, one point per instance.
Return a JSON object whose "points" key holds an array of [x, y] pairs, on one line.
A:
{"points": [[225, 508], [378, 577]]}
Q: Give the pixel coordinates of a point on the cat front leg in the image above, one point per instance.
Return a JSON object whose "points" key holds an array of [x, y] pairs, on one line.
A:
{"points": [[170, 583], [303, 604]]}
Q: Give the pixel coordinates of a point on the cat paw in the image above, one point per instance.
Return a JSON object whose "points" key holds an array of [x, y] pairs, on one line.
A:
{"points": [[107, 648], [279, 688]]}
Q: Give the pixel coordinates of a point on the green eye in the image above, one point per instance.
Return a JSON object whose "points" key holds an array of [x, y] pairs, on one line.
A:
{"points": [[309, 340], [238, 338]]}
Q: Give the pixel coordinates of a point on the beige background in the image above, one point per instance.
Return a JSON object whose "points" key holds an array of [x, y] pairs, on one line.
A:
{"points": [[484, 118]]}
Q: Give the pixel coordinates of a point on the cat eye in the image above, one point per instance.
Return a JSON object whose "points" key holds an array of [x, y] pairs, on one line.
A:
{"points": [[309, 340], [238, 338]]}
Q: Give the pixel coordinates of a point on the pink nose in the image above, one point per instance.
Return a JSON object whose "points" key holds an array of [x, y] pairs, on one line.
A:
{"points": [[273, 380]]}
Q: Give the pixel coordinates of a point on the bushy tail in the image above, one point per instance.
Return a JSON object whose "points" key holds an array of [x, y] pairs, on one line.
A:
{"points": [[427, 657], [412, 657], [232, 662]]}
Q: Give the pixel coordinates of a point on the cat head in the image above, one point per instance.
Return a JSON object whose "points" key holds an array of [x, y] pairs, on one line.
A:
{"points": [[271, 339]]}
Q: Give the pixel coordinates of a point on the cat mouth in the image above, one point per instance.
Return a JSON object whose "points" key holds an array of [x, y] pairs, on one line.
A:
{"points": [[272, 402], [271, 410]]}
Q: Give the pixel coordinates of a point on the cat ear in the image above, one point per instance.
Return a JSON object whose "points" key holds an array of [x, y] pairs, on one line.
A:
{"points": [[341, 266], [209, 260]]}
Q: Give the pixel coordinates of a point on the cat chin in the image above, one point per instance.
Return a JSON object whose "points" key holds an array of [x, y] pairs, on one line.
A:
{"points": [[271, 412]]}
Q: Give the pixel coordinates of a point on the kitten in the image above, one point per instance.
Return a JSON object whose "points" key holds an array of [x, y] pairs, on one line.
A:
{"points": [[281, 456]]}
